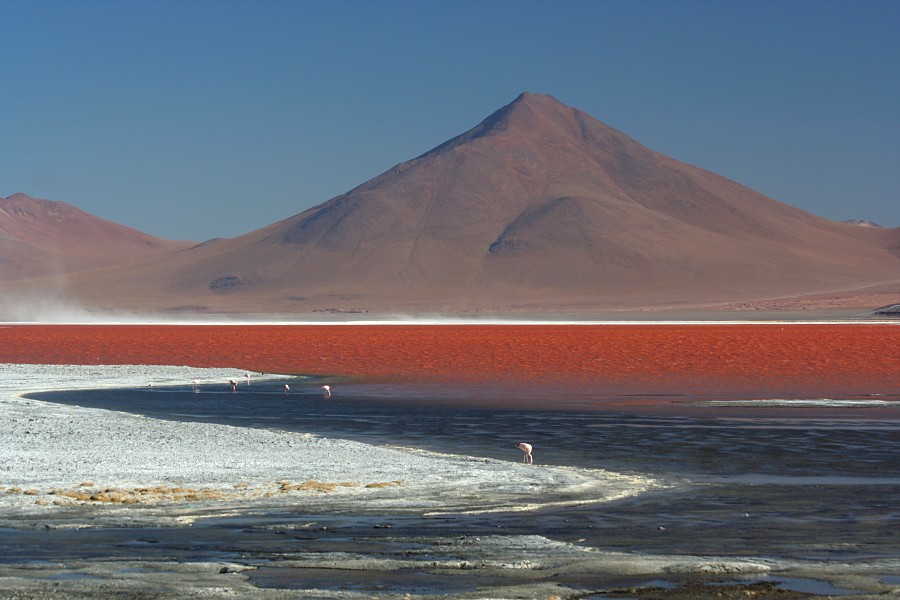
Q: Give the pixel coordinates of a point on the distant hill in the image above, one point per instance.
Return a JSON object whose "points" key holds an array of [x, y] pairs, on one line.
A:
{"points": [[861, 222], [43, 238], [540, 207], [892, 310]]}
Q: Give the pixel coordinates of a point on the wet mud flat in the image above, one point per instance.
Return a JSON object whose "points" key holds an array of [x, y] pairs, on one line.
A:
{"points": [[303, 552], [776, 502]]}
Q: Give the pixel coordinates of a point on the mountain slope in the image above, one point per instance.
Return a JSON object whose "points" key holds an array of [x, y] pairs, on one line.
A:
{"points": [[538, 207], [43, 238]]}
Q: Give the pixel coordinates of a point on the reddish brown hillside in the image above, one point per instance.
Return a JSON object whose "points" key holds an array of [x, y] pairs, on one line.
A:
{"points": [[540, 207], [41, 238]]}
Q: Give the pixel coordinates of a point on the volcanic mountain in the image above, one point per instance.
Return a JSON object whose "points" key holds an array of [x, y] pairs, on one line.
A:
{"points": [[43, 238], [539, 207]]}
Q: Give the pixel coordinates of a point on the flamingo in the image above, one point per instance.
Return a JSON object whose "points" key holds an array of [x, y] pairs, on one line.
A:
{"points": [[526, 448], [287, 389], [233, 384], [327, 389], [248, 378], [194, 384]]}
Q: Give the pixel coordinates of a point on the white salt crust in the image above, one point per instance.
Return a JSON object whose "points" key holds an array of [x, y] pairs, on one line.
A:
{"points": [[46, 447]]}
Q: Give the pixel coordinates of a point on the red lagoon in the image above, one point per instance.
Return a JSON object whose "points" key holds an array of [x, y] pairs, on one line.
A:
{"points": [[805, 359]]}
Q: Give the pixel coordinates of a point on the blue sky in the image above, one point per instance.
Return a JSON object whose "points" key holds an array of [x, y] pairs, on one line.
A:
{"points": [[194, 119]]}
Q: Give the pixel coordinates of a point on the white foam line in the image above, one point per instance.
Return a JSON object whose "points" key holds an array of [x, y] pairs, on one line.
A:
{"points": [[530, 507], [817, 402]]}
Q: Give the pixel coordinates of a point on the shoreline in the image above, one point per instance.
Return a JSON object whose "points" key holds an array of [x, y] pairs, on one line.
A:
{"points": [[50, 452], [45, 447]]}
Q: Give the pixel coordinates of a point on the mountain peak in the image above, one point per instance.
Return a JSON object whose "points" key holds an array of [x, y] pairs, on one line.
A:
{"points": [[536, 99], [529, 114], [862, 223], [539, 101], [540, 207], [527, 106], [17, 197], [23, 205]]}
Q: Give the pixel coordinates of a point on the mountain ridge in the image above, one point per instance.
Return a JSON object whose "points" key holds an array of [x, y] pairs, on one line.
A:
{"points": [[539, 206], [44, 238]]}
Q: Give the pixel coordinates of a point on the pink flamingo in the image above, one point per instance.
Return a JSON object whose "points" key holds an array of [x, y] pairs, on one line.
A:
{"points": [[248, 378], [194, 384], [233, 384], [526, 448], [287, 389], [327, 389]]}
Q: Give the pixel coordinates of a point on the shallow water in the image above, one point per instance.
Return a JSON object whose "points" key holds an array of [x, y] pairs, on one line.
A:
{"points": [[856, 441], [764, 476]]}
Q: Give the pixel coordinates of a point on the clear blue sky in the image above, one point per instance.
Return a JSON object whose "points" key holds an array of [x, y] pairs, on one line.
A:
{"points": [[194, 119]]}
